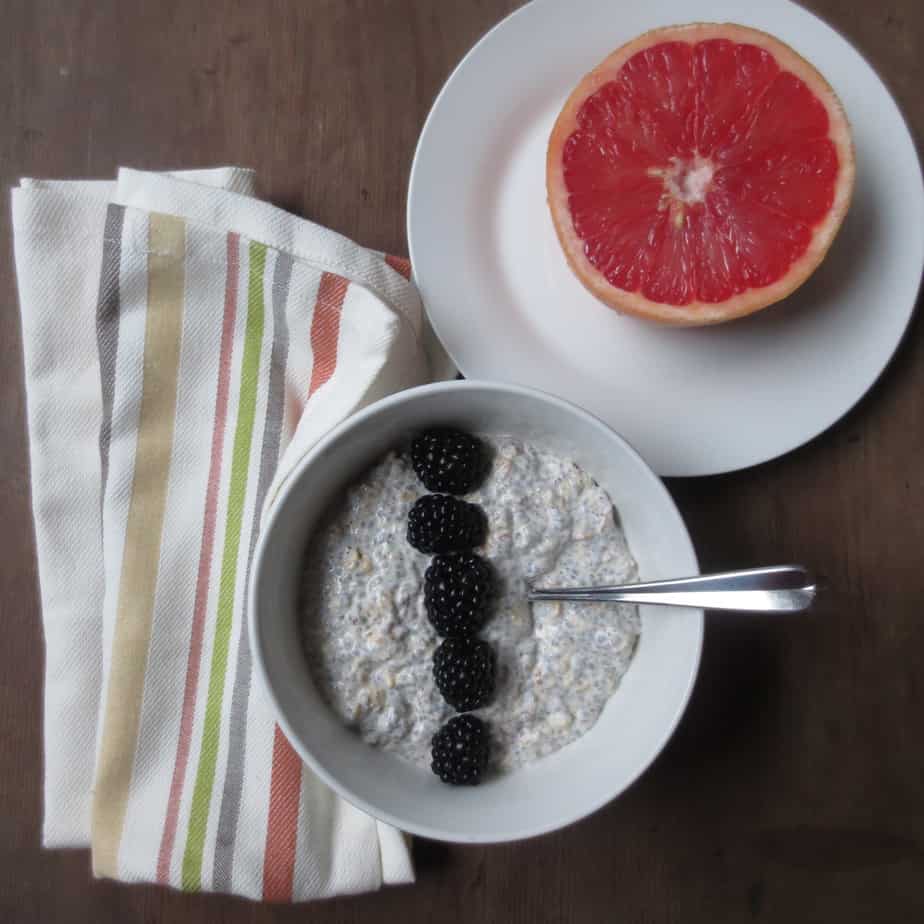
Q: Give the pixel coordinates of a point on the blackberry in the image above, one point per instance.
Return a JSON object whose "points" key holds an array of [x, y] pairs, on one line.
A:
{"points": [[441, 523], [463, 669], [456, 592], [460, 750], [447, 460]]}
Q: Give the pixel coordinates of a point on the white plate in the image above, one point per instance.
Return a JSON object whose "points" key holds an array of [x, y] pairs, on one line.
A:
{"points": [[695, 401]]}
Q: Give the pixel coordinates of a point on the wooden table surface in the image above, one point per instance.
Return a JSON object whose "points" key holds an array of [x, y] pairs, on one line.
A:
{"points": [[794, 789]]}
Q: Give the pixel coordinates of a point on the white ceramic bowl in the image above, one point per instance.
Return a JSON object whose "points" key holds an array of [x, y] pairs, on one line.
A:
{"points": [[567, 785]]}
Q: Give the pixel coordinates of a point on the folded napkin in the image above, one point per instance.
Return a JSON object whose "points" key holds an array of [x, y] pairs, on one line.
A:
{"points": [[184, 345]]}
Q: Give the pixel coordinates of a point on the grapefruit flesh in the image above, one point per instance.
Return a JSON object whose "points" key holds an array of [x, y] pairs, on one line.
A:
{"points": [[699, 174]]}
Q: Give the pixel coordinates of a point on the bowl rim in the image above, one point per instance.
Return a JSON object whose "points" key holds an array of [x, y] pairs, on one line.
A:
{"points": [[357, 419]]}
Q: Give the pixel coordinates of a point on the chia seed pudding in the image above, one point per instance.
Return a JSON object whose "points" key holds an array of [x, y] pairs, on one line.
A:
{"points": [[370, 645]]}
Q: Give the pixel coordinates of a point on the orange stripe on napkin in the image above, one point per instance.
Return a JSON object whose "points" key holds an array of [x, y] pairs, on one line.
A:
{"points": [[399, 264], [285, 781]]}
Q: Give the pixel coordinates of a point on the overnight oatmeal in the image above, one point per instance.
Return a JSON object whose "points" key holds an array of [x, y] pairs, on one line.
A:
{"points": [[370, 643]]}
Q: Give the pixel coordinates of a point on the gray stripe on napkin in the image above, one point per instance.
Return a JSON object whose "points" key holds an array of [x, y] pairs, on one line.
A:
{"points": [[107, 328]]}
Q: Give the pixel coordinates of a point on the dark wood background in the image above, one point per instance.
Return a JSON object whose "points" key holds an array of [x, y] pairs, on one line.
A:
{"points": [[794, 789]]}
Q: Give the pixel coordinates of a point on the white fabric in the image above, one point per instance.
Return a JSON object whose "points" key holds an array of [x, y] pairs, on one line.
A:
{"points": [[58, 235], [58, 232]]}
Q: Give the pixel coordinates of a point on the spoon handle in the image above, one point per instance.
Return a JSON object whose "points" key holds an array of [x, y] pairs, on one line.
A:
{"points": [[778, 589]]}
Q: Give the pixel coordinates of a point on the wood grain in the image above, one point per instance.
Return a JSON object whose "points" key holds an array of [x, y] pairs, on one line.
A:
{"points": [[794, 790]]}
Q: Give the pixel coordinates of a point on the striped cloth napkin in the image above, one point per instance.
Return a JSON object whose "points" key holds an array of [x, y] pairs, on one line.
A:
{"points": [[184, 345]]}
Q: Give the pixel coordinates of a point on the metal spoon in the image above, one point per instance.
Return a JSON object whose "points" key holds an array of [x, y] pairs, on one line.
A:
{"points": [[779, 589]]}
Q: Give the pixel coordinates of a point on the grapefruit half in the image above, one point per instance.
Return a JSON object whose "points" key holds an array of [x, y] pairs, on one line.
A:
{"points": [[699, 174]]}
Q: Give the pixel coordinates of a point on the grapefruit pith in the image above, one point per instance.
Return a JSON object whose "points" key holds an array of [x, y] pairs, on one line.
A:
{"points": [[699, 174]]}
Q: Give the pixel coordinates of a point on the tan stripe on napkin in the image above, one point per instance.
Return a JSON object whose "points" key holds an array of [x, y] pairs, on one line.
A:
{"points": [[163, 324]]}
